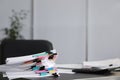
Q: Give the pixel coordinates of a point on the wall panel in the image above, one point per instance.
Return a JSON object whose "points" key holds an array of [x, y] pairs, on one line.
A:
{"points": [[104, 29], [63, 23]]}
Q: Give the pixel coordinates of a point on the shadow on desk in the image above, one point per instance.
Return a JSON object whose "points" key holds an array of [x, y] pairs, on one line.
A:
{"points": [[63, 76], [78, 76]]}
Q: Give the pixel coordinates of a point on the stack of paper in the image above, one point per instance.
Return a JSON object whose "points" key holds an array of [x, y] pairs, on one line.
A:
{"points": [[36, 65], [103, 64]]}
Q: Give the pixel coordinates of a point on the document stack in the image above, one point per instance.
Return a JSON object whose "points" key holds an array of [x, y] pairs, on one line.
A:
{"points": [[36, 65]]}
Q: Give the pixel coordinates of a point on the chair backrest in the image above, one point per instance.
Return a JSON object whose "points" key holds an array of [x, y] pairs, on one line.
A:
{"points": [[14, 48]]}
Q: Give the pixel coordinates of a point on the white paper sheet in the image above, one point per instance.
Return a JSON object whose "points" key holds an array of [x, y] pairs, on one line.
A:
{"points": [[109, 63], [7, 68], [24, 74], [21, 59]]}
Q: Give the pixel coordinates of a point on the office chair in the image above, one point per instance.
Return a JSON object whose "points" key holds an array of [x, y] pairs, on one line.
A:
{"points": [[14, 48]]}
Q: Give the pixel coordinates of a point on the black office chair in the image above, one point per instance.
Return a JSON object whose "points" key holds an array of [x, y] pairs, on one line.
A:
{"points": [[14, 48]]}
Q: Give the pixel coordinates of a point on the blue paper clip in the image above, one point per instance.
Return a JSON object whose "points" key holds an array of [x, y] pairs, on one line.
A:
{"points": [[50, 69]]}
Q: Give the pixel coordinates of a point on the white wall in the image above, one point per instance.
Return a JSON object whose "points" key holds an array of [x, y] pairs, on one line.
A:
{"points": [[104, 29], [63, 23], [5, 12]]}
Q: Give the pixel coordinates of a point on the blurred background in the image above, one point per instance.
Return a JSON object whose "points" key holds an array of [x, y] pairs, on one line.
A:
{"points": [[80, 30]]}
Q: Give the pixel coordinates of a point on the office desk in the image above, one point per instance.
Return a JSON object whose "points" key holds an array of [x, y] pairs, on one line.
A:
{"points": [[67, 76], [64, 76]]}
